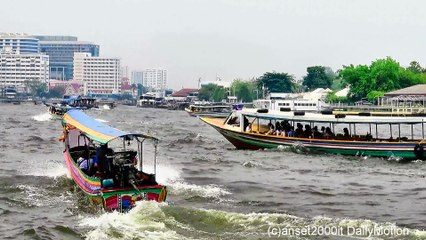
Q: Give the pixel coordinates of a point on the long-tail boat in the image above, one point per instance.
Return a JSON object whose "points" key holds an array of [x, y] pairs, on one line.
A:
{"points": [[113, 171], [365, 135]]}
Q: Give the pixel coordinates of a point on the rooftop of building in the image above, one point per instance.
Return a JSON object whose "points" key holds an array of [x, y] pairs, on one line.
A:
{"points": [[419, 89], [184, 92], [15, 35], [55, 38], [67, 42]]}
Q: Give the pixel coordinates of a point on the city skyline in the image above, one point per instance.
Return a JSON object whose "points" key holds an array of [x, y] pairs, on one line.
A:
{"points": [[233, 39]]}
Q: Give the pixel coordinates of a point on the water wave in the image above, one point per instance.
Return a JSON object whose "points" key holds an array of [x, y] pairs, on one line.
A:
{"points": [[159, 221], [46, 168], [171, 177], [43, 117], [188, 190]]}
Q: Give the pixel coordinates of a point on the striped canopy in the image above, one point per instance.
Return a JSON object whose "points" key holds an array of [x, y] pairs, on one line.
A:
{"points": [[96, 130]]}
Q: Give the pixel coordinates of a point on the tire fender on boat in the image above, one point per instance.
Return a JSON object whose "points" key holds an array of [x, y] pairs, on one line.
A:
{"points": [[419, 151]]}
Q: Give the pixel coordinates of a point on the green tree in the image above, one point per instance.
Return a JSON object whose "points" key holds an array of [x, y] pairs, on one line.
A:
{"points": [[358, 77], [218, 94], [318, 77], [332, 98], [206, 92], [244, 90], [36, 88], [385, 74], [373, 95], [415, 67], [276, 82]]}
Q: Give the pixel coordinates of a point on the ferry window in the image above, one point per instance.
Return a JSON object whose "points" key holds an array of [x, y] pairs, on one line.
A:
{"points": [[314, 104]]}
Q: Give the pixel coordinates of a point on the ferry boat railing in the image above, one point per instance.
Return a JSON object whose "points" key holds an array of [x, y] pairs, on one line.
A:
{"points": [[352, 127]]}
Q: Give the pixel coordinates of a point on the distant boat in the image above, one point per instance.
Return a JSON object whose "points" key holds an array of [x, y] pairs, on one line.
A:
{"points": [[116, 181], [297, 104], [151, 100], [209, 109], [402, 137], [58, 110]]}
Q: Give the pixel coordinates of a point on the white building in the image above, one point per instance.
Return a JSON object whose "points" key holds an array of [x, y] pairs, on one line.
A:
{"points": [[155, 79], [137, 77], [19, 43], [99, 74], [16, 69]]}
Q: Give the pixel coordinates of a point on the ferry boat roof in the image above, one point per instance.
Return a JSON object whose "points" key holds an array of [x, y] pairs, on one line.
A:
{"points": [[330, 118], [96, 130]]}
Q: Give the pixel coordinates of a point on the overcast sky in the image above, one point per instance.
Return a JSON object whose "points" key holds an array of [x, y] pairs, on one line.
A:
{"points": [[231, 39]]}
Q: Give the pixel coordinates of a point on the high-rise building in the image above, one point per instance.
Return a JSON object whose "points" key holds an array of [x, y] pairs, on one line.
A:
{"points": [[19, 43], [99, 74], [155, 79], [137, 77], [16, 69], [61, 51]]}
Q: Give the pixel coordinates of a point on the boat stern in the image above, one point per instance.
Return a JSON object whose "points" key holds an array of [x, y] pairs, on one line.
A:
{"points": [[123, 200]]}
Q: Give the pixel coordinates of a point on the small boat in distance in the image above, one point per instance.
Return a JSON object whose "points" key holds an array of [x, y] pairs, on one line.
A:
{"points": [[107, 163], [58, 110], [365, 135], [217, 110]]}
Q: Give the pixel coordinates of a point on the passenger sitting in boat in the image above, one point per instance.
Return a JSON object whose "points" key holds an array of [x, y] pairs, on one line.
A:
{"points": [[101, 155], [290, 132], [299, 130], [346, 133], [308, 131], [322, 131], [316, 133], [278, 128], [86, 165], [328, 134], [285, 125], [271, 128]]}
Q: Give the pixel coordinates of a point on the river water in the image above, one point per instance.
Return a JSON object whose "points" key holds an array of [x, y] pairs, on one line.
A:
{"points": [[215, 191]]}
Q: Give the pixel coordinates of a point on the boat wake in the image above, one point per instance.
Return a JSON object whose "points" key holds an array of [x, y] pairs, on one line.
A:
{"points": [[188, 190], [48, 169], [176, 185], [152, 220], [43, 117]]}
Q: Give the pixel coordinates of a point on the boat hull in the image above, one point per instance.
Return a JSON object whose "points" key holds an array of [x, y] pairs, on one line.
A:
{"points": [[243, 140], [120, 199]]}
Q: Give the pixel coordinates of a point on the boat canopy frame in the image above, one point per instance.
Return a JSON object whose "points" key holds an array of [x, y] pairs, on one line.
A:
{"points": [[332, 120], [103, 134]]}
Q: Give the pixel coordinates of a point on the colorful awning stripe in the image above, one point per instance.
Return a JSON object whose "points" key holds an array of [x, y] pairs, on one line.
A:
{"points": [[95, 130]]}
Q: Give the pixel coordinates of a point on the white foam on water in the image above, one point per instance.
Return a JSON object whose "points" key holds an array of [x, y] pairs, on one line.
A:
{"points": [[43, 117], [151, 220], [40, 197], [48, 169], [106, 107], [192, 190], [145, 221], [171, 178]]}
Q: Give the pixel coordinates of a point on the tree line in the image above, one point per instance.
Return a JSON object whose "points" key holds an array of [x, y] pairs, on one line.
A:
{"points": [[364, 81]]}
